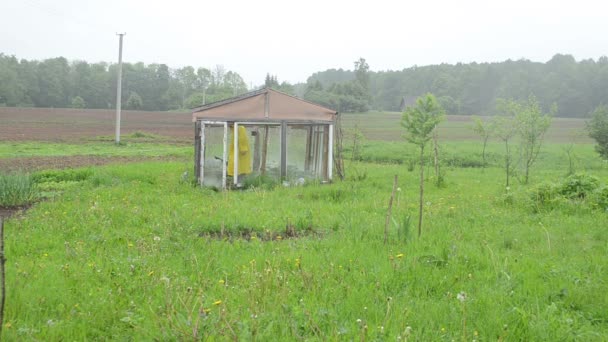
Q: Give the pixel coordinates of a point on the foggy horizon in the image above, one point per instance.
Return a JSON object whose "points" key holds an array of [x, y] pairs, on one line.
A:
{"points": [[293, 41]]}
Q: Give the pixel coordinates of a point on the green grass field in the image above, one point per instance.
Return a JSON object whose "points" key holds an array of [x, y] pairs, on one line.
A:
{"points": [[386, 126], [135, 252]]}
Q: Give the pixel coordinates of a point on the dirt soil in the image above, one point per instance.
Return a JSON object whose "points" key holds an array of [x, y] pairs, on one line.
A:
{"points": [[6, 212], [248, 234], [29, 164], [66, 124]]}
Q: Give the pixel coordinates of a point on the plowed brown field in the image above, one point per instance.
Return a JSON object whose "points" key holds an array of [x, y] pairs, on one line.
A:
{"points": [[61, 124]]}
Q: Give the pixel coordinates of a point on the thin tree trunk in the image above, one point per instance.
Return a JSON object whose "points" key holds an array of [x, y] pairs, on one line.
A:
{"points": [[390, 209], [421, 190]]}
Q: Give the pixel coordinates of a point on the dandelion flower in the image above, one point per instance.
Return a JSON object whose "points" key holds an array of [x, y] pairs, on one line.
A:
{"points": [[399, 256], [217, 302], [221, 282]]}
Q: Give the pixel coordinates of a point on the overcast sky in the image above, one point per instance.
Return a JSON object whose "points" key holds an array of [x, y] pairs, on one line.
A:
{"points": [[293, 39]]}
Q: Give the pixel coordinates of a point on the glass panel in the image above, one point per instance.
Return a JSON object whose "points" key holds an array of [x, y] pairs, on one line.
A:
{"points": [[213, 147], [306, 152], [298, 169], [263, 159]]}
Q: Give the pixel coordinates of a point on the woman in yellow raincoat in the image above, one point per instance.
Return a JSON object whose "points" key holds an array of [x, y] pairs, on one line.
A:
{"points": [[244, 153]]}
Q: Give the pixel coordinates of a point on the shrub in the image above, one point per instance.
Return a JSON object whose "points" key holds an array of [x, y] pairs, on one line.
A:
{"points": [[545, 193], [600, 197], [17, 189], [579, 186]]}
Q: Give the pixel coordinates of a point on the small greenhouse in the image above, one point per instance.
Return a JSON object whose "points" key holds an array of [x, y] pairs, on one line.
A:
{"points": [[279, 137]]}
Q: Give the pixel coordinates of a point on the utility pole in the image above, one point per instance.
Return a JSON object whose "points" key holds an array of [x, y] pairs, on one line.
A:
{"points": [[119, 88]]}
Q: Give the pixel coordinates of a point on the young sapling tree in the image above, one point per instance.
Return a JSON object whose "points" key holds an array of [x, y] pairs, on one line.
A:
{"points": [[419, 122], [505, 130], [485, 129], [531, 124]]}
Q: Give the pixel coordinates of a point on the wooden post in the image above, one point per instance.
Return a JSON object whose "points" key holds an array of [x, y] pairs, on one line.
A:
{"points": [[390, 209], [2, 262], [201, 153], [283, 150], [236, 154], [339, 160], [197, 146], [264, 151], [315, 155], [256, 149], [224, 155], [325, 154], [308, 148], [330, 152]]}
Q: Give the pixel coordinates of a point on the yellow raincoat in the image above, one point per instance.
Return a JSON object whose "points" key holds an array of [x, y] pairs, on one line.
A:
{"points": [[244, 153]]}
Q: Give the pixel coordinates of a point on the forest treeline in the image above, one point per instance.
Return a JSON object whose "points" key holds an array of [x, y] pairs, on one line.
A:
{"points": [[576, 87], [58, 83]]}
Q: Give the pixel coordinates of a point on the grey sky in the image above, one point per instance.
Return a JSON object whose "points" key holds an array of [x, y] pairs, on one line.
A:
{"points": [[293, 39]]}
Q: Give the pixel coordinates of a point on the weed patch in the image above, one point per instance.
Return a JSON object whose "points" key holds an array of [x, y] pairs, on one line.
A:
{"points": [[17, 189]]}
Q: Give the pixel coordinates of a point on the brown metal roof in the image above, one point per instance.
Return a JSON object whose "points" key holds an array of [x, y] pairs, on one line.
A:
{"points": [[264, 104]]}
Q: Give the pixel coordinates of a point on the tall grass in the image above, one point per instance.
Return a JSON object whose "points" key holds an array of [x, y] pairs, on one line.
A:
{"points": [[134, 258], [17, 189]]}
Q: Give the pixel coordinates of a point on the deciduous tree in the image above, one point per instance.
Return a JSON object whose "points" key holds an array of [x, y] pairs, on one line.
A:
{"points": [[598, 130]]}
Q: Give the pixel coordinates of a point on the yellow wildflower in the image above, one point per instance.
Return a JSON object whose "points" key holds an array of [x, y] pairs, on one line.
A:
{"points": [[399, 256], [217, 302]]}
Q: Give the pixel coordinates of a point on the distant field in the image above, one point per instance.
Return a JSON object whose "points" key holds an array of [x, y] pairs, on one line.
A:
{"points": [[57, 124], [387, 126]]}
